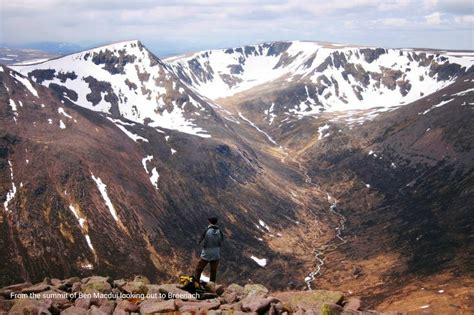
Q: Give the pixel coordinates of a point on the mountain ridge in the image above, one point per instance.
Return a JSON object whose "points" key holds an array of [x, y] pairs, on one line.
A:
{"points": [[373, 201]]}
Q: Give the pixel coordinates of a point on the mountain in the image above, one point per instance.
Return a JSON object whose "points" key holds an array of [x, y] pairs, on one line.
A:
{"points": [[273, 80], [117, 196], [124, 80], [342, 167]]}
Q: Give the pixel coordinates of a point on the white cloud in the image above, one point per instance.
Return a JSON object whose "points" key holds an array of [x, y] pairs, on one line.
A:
{"points": [[212, 24], [467, 20], [395, 22], [434, 19]]}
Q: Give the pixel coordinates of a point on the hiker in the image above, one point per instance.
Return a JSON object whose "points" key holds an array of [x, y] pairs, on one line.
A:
{"points": [[211, 241]]}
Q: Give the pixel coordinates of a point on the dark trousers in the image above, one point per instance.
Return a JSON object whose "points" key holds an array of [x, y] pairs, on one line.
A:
{"points": [[202, 264]]}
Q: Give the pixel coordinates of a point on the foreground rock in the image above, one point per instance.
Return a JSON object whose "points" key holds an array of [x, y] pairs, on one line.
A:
{"points": [[104, 296]]}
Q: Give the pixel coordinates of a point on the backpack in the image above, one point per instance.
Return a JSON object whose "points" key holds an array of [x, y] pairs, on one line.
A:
{"points": [[190, 284]]}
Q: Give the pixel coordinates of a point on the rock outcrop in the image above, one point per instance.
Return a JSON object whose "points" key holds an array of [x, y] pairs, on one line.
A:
{"points": [[102, 295]]}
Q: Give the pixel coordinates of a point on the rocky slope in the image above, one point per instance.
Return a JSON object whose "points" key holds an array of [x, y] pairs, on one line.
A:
{"points": [[102, 295], [348, 167]]}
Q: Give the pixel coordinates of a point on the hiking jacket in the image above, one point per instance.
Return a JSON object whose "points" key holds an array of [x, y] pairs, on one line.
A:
{"points": [[211, 241]]}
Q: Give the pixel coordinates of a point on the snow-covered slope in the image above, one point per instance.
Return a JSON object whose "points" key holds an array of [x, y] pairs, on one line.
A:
{"points": [[327, 77], [125, 80]]}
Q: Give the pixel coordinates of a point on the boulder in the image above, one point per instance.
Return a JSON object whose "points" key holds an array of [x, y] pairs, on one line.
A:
{"points": [[230, 297], [352, 303], [6, 291], [153, 306], [220, 289], [5, 306], [17, 287], [76, 287], [154, 290], [46, 280], [83, 302], [58, 284], [119, 283], [257, 303], [106, 307], [59, 300], [69, 282], [96, 286], [124, 307], [37, 288], [238, 289], [95, 310], [255, 289], [30, 306], [197, 306], [331, 309], [74, 310], [171, 291], [135, 287], [231, 312], [208, 295], [97, 279], [233, 307], [308, 299], [141, 279]]}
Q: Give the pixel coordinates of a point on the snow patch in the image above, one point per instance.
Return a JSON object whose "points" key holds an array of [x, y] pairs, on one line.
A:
{"points": [[14, 109], [322, 131], [262, 262], [263, 224], [154, 177], [103, 191], [88, 240], [131, 135], [63, 112], [76, 214], [258, 129], [11, 193], [145, 160], [435, 106], [27, 84]]}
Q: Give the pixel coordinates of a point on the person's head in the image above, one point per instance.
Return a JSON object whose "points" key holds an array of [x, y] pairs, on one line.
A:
{"points": [[212, 220]]}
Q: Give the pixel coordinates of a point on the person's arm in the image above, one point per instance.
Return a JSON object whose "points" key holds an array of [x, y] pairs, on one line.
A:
{"points": [[203, 236]]}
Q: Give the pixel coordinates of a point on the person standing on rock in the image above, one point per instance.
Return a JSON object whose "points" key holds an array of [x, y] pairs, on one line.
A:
{"points": [[211, 241]]}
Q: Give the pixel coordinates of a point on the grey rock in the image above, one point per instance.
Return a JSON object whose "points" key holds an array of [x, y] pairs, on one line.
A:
{"points": [[152, 306]]}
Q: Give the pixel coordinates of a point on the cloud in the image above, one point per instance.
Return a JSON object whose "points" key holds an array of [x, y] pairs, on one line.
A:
{"points": [[190, 24], [395, 22], [434, 18], [467, 20]]}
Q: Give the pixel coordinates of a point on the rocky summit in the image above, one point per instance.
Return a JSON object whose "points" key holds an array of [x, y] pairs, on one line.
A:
{"points": [[330, 167], [103, 295]]}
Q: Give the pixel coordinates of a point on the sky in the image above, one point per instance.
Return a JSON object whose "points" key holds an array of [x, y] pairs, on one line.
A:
{"points": [[176, 26]]}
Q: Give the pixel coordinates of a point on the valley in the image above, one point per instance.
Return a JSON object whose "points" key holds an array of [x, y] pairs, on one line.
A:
{"points": [[338, 167]]}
